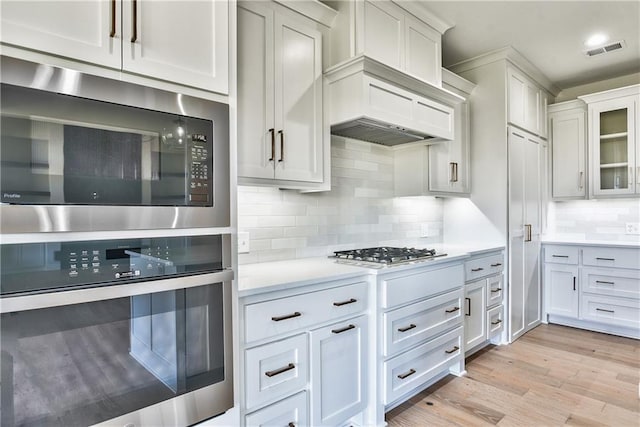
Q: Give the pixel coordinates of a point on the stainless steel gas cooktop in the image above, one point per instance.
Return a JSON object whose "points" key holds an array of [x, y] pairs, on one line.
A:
{"points": [[385, 255]]}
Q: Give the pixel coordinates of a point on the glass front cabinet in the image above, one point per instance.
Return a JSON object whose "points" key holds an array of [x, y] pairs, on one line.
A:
{"points": [[613, 142]]}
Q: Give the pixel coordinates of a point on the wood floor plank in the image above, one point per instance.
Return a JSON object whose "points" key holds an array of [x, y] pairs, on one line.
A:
{"points": [[552, 376]]}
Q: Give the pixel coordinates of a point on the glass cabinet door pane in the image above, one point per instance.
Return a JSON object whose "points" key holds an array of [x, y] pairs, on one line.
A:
{"points": [[614, 155]]}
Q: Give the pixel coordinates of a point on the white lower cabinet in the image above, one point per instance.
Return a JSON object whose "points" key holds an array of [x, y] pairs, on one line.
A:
{"points": [[338, 377], [593, 287], [483, 302], [290, 412]]}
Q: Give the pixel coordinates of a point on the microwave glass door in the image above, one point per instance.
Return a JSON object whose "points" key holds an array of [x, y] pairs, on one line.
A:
{"points": [[87, 363], [65, 150]]}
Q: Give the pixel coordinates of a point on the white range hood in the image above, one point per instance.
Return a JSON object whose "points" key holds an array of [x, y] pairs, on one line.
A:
{"points": [[373, 102]]}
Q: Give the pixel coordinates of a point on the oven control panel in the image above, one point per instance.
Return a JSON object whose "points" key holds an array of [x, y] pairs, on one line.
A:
{"points": [[200, 165]]}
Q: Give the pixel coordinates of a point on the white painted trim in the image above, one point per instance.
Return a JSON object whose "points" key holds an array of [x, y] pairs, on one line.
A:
{"points": [[422, 12], [611, 94], [566, 106], [312, 9], [457, 84]]}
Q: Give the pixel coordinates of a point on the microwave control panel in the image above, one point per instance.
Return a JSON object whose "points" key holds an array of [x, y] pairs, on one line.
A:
{"points": [[200, 165]]}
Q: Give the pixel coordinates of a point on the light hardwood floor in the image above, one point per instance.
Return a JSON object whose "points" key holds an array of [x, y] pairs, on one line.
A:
{"points": [[552, 376]]}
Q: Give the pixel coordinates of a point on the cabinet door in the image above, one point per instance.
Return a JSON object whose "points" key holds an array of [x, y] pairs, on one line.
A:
{"points": [[475, 297], [290, 411], [85, 30], [423, 51], [256, 132], [298, 102], [524, 233], [612, 141], [383, 33], [532, 108], [543, 123], [517, 92], [186, 42], [568, 161], [339, 366], [449, 161], [561, 289]]}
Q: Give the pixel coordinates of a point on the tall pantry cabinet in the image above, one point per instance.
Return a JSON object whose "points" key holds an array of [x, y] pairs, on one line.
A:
{"points": [[509, 155]]}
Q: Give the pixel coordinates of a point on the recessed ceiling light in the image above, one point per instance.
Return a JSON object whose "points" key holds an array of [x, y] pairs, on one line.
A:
{"points": [[596, 40]]}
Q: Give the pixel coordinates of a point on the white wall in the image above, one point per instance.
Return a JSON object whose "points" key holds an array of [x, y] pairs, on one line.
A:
{"points": [[359, 211], [594, 219]]}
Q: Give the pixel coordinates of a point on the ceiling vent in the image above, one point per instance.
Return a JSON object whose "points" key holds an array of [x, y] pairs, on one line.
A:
{"points": [[605, 49]]}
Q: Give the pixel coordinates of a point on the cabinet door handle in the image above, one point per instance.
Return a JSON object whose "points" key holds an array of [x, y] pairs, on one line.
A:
{"points": [[497, 322], [496, 290], [272, 131], [456, 169], [112, 31], [134, 21], [345, 329], [279, 371], [286, 316], [341, 303], [605, 259], [406, 328], [602, 282], [630, 177], [527, 229], [606, 311], [453, 310], [560, 256], [407, 374], [581, 180], [477, 269], [638, 175], [574, 283], [453, 350], [468, 302], [451, 171], [291, 425], [281, 133], [497, 264]]}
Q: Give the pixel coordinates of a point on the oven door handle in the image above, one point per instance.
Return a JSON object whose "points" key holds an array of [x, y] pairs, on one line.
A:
{"points": [[78, 296]]}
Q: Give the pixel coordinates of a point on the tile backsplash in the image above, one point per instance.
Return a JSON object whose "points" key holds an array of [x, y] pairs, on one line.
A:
{"points": [[359, 211], [594, 219]]}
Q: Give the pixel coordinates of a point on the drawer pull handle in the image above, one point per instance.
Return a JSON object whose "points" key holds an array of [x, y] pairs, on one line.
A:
{"points": [[286, 316], [408, 328], [605, 259], [560, 256], [606, 311], [340, 304], [496, 290], [453, 350], [497, 264], [477, 269], [345, 329], [605, 283], [407, 374], [453, 310], [275, 372], [497, 322]]}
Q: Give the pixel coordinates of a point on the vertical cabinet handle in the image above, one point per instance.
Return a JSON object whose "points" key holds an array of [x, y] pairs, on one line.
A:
{"points": [[453, 172], [527, 232], [272, 131], [581, 180], [112, 31], [468, 301], [134, 21], [574, 283], [281, 133], [455, 168]]}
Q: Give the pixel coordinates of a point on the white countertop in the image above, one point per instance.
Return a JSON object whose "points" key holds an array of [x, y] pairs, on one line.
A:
{"points": [[557, 240], [272, 276]]}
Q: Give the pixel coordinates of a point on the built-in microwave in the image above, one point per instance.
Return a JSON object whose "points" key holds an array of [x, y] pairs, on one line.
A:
{"points": [[84, 153], [127, 332]]}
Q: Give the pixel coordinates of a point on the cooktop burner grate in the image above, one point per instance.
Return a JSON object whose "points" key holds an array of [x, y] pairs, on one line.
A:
{"points": [[386, 255]]}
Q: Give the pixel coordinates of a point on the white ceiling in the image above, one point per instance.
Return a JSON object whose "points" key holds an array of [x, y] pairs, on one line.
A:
{"points": [[550, 34]]}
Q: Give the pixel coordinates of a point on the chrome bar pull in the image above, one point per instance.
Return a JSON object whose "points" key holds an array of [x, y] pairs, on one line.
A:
{"points": [[527, 234]]}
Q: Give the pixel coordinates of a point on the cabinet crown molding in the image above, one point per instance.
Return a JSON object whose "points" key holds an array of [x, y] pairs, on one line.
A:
{"points": [[423, 13], [566, 106], [611, 94], [312, 9]]}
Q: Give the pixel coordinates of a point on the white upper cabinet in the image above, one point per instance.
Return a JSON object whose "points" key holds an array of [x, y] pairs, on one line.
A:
{"points": [[527, 103], [402, 35], [613, 142], [568, 150], [181, 42], [281, 136]]}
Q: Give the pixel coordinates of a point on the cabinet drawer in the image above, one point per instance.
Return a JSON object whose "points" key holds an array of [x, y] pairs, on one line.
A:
{"points": [[495, 290], [409, 370], [495, 321], [410, 325], [610, 310], [611, 282], [270, 318], [484, 266], [612, 257], [292, 410], [405, 289], [561, 254], [275, 370]]}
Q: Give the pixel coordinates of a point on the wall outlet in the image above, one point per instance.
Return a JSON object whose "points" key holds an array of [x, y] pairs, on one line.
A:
{"points": [[633, 228], [243, 242]]}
